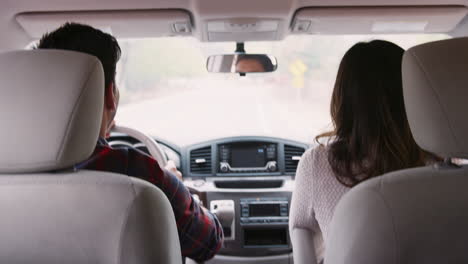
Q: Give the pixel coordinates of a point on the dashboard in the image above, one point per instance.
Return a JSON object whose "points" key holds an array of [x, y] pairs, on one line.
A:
{"points": [[247, 182], [243, 156]]}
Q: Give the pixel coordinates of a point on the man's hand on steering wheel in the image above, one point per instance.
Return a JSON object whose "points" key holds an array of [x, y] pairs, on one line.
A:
{"points": [[153, 147], [170, 166]]}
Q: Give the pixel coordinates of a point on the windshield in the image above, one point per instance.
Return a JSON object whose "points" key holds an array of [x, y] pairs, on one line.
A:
{"points": [[167, 92]]}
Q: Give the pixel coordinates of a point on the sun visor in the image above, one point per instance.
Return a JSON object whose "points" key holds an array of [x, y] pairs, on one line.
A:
{"points": [[375, 20], [122, 24]]}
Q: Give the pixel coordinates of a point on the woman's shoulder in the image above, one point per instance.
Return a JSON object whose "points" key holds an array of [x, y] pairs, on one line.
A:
{"points": [[314, 161], [317, 154]]}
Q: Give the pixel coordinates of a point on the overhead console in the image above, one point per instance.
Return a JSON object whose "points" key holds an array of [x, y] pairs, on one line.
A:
{"points": [[375, 20], [242, 29]]}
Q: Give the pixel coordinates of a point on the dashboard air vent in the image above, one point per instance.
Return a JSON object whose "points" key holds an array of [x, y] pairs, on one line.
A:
{"points": [[292, 155], [200, 160]]}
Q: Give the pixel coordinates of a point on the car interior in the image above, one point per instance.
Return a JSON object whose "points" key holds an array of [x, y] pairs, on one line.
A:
{"points": [[235, 131]]}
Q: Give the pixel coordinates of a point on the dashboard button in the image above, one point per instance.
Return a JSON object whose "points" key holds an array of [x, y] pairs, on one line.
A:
{"points": [[271, 166], [224, 167]]}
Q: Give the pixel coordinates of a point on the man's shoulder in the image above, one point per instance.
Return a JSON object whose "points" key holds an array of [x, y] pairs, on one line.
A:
{"points": [[135, 154], [104, 146], [105, 158]]}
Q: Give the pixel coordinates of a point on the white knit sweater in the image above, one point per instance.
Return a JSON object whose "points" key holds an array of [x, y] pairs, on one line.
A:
{"points": [[316, 193]]}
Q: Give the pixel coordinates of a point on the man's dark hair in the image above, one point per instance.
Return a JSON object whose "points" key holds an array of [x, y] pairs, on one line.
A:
{"points": [[262, 59], [86, 39]]}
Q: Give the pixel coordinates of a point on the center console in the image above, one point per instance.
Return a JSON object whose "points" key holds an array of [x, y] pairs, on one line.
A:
{"points": [[247, 182], [259, 211], [264, 222], [258, 225]]}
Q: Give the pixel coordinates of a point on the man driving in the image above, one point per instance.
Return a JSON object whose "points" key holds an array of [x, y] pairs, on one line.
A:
{"points": [[253, 63], [200, 232]]}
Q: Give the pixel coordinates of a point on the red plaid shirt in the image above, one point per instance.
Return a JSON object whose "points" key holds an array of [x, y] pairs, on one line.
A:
{"points": [[200, 232]]}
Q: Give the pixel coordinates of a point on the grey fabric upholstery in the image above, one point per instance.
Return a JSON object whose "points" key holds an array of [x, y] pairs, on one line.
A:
{"points": [[435, 83], [412, 216], [50, 109], [417, 215], [85, 217], [304, 246]]}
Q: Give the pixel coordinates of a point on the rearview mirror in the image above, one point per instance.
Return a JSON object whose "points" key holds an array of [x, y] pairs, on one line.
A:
{"points": [[241, 63]]}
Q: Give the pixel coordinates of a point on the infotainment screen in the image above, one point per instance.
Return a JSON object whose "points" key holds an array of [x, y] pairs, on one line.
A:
{"points": [[264, 209], [248, 156]]}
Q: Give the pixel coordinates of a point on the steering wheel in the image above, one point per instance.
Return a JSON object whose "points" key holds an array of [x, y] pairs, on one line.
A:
{"points": [[153, 147]]}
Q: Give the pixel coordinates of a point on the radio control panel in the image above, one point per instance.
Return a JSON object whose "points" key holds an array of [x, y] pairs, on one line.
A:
{"points": [[247, 157], [261, 221], [260, 211]]}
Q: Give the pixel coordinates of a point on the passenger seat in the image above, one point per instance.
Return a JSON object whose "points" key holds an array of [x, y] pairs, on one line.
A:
{"points": [[416, 215]]}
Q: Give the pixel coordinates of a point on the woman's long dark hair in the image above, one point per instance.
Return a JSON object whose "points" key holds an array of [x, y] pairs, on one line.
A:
{"points": [[371, 133]]}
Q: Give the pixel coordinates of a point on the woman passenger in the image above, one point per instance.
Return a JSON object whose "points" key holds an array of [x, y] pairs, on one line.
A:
{"points": [[371, 137]]}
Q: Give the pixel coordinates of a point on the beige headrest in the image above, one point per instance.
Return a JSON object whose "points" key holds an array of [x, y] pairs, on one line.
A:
{"points": [[51, 104], [435, 87]]}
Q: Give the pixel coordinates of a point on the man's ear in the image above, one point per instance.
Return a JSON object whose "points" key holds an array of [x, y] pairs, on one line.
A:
{"points": [[109, 97]]}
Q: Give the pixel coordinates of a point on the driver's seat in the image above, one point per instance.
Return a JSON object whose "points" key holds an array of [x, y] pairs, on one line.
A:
{"points": [[51, 104]]}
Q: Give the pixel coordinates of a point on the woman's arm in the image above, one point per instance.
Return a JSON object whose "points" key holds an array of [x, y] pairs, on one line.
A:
{"points": [[303, 226]]}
